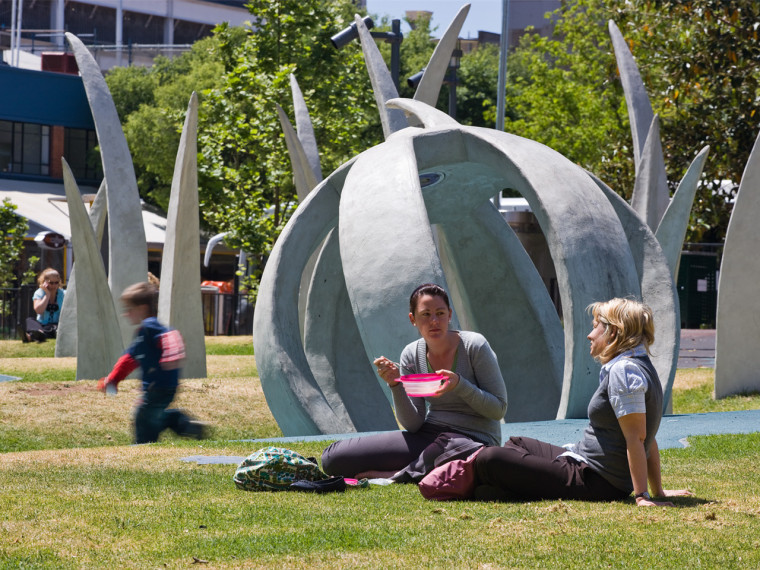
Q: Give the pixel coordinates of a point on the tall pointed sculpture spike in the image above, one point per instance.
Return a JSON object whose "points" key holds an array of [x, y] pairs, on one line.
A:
{"points": [[66, 338], [382, 82], [737, 359], [97, 327], [128, 251], [650, 192], [428, 115], [305, 129], [179, 298], [636, 98], [675, 221], [302, 173], [430, 84]]}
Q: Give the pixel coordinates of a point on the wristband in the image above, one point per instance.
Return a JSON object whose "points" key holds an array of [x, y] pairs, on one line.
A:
{"points": [[644, 495]]}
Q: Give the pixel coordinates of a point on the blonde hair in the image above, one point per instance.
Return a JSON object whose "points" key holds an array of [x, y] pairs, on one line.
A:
{"points": [[628, 324], [45, 274]]}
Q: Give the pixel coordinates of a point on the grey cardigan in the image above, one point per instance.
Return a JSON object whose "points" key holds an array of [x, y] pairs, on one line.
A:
{"points": [[475, 407]]}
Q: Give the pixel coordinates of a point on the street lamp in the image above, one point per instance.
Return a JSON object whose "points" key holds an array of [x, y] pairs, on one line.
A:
{"points": [[394, 37]]}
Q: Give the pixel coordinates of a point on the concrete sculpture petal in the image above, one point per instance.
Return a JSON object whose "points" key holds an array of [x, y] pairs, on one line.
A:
{"points": [[305, 129], [303, 175], [179, 299], [636, 98], [672, 229], [650, 191], [382, 82], [394, 234], [128, 252], [66, 339], [430, 85], [97, 328], [737, 359]]}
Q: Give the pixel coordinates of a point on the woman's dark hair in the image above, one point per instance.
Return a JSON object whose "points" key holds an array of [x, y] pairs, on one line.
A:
{"points": [[427, 289]]}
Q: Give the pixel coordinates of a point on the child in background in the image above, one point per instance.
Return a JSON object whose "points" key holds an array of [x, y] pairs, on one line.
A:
{"points": [[159, 351]]}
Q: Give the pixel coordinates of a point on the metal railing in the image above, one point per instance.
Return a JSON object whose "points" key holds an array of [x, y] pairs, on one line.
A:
{"points": [[223, 313], [15, 306]]}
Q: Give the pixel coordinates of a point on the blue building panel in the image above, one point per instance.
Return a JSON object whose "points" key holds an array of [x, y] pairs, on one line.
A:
{"points": [[43, 97]]}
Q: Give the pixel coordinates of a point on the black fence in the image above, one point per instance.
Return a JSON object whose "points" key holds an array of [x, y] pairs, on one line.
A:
{"points": [[15, 307], [223, 313]]}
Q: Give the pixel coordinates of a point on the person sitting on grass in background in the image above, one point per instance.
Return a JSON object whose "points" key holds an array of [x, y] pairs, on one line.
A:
{"points": [[47, 301], [159, 351], [618, 453]]}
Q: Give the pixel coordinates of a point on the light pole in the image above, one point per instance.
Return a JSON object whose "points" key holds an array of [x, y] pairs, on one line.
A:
{"points": [[394, 37]]}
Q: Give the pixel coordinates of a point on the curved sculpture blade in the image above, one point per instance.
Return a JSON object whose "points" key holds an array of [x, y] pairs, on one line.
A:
{"points": [[636, 98], [179, 297], [305, 129], [429, 116], [737, 359], [489, 270], [302, 173], [66, 338], [127, 251], [292, 393], [430, 85], [650, 192], [97, 328], [658, 290], [335, 352], [589, 248], [382, 82], [672, 229], [386, 238]]}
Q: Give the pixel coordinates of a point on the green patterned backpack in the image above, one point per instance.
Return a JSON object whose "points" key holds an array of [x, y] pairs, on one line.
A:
{"points": [[274, 469]]}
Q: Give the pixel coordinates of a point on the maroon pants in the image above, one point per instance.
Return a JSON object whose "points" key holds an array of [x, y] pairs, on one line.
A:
{"points": [[529, 469]]}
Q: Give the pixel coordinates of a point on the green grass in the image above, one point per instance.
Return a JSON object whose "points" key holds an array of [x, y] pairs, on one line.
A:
{"points": [[75, 494]]}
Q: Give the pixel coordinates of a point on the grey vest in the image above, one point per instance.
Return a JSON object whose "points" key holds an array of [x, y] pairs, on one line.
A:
{"points": [[603, 444]]}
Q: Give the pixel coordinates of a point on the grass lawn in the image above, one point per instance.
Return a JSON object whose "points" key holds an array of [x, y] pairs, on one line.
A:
{"points": [[75, 494]]}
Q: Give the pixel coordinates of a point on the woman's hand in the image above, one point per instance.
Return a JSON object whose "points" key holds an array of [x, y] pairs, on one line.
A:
{"points": [[642, 502], [387, 370], [451, 382]]}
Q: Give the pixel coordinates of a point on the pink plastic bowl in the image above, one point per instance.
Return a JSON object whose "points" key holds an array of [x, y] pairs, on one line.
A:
{"points": [[422, 385]]}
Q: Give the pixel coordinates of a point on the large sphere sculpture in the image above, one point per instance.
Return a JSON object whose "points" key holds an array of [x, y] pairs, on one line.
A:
{"points": [[416, 209]]}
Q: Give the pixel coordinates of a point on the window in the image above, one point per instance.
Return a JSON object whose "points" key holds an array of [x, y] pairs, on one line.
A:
{"points": [[79, 151], [24, 148]]}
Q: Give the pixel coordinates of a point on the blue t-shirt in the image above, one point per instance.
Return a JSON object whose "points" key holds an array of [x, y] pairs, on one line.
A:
{"points": [[53, 311], [146, 349]]}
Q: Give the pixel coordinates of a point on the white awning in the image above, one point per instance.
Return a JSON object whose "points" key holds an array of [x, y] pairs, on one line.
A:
{"points": [[44, 205]]}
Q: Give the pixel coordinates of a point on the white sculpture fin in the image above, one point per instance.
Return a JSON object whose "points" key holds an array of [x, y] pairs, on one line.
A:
{"points": [[672, 229], [382, 82], [302, 172], [430, 84], [97, 328], [650, 191], [639, 108], [305, 129]]}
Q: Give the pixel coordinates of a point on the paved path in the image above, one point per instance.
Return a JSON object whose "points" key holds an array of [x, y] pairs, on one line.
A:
{"points": [[697, 348]]}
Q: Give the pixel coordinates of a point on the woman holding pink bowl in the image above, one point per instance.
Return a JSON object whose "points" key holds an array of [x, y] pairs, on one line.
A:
{"points": [[470, 399]]}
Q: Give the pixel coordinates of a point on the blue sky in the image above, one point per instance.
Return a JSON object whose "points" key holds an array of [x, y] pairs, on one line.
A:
{"points": [[484, 14]]}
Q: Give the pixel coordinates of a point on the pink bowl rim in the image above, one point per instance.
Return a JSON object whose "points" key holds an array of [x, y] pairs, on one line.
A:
{"points": [[422, 378]]}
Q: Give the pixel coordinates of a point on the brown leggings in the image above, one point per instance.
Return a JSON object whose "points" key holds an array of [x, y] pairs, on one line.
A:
{"points": [[529, 469]]}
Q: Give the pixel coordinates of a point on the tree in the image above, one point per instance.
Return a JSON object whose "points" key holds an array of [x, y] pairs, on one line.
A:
{"points": [[563, 91], [14, 228], [152, 103], [700, 60], [700, 63], [246, 176]]}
